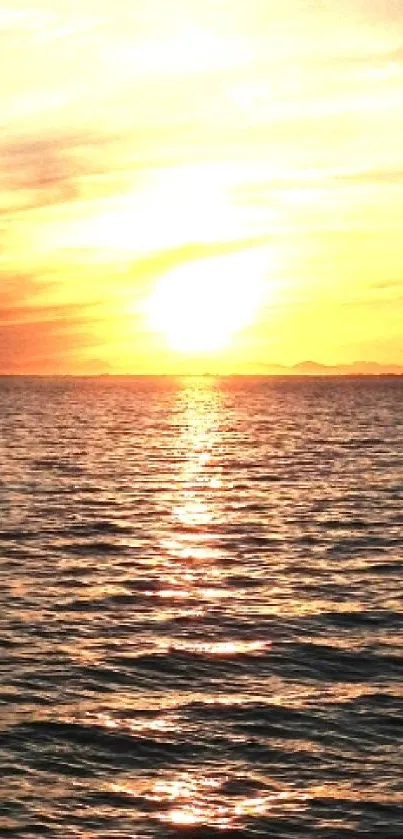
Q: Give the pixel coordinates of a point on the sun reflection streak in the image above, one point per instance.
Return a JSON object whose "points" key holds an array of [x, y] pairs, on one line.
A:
{"points": [[187, 799], [190, 548], [232, 814]]}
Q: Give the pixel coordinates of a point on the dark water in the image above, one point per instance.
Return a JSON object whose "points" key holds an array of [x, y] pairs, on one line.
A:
{"points": [[201, 608]]}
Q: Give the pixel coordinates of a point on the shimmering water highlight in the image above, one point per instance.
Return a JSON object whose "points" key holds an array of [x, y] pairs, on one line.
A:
{"points": [[201, 608]]}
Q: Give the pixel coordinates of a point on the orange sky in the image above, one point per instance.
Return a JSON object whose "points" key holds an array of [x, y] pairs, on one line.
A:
{"points": [[177, 154]]}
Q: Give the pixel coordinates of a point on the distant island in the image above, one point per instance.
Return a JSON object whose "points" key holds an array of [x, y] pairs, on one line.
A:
{"points": [[312, 368]]}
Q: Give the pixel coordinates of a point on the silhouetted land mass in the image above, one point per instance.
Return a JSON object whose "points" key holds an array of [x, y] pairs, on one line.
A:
{"points": [[312, 368], [304, 368]]}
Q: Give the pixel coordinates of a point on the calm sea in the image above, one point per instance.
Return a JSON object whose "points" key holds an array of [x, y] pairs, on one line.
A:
{"points": [[201, 608]]}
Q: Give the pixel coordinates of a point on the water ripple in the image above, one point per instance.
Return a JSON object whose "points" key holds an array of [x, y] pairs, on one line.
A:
{"points": [[201, 608]]}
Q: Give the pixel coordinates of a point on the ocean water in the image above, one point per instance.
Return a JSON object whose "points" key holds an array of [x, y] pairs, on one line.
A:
{"points": [[201, 608]]}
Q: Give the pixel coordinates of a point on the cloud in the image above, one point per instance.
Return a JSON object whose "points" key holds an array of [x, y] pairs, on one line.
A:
{"points": [[47, 339], [31, 347], [35, 334], [43, 165], [165, 260], [14, 315], [393, 284], [389, 11], [373, 176], [19, 289], [45, 169]]}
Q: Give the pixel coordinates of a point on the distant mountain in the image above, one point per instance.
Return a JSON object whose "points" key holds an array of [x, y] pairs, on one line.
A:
{"points": [[309, 368], [358, 368]]}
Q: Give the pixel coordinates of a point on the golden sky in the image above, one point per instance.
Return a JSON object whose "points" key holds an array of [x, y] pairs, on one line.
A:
{"points": [[200, 184]]}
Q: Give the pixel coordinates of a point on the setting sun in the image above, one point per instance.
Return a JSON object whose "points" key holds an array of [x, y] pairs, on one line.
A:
{"points": [[200, 306]]}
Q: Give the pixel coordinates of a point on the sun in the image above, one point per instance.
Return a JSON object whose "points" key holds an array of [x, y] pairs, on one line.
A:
{"points": [[199, 307]]}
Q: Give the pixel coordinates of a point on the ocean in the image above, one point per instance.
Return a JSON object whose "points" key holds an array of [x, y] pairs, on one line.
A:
{"points": [[201, 608]]}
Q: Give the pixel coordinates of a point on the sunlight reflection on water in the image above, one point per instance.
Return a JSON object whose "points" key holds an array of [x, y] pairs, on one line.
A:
{"points": [[201, 602], [188, 800], [190, 566]]}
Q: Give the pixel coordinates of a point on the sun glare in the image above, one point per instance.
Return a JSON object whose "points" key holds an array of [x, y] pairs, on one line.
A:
{"points": [[200, 306]]}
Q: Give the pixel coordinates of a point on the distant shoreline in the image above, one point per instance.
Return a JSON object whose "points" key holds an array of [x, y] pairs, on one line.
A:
{"points": [[284, 375]]}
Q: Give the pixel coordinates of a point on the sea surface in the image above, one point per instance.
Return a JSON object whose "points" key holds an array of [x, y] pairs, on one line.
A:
{"points": [[201, 608]]}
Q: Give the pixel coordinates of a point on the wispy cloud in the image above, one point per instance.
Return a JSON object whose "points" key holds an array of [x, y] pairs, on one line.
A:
{"points": [[51, 168], [44, 344]]}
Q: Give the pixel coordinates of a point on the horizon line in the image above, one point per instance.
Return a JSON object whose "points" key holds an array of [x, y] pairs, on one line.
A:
{"points": [[291, 375]]}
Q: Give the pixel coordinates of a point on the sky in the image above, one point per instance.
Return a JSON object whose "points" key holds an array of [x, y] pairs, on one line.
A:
{"points": [[222, 172]]}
